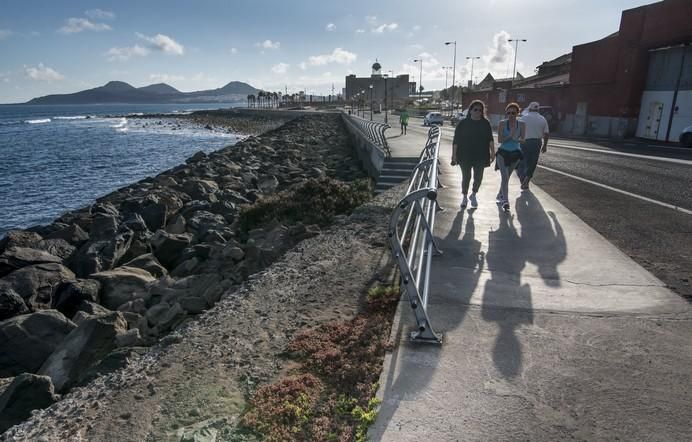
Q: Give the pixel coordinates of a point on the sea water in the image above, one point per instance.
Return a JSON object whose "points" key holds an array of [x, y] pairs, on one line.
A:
{"points": [[55, 159]]}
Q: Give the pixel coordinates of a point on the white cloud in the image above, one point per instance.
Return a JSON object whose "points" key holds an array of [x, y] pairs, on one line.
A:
{"points": [[43, 73], [280, 68], [360, 31], [99, 14], [384, 28], [234, 51], [75, 25], [165, 78], [330, 27], [4, 33], [338, 55], [303, 65], [371, 19], [416, 47], [416, 28], [5, 77], [268, 44], [122, 54], [163, 43]]}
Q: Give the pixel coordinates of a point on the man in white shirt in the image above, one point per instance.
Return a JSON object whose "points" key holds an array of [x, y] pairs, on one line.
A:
{"points": [[537, 132]]}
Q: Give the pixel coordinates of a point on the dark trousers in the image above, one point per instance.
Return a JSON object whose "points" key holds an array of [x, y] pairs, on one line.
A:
{"points": [[531, 149], [466, 177]]}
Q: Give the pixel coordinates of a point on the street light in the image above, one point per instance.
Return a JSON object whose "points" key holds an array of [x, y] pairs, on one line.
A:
{"points": [[454, 69], [391, 74], [516, 49], [362, 100], [472, 60], [420, 78], [371, 102]]}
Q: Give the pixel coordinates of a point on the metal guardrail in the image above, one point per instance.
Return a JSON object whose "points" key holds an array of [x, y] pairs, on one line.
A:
{"points": [[411, 235], [373, 130]]}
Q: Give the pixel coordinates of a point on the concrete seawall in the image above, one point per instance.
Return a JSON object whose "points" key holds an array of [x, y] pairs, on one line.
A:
{"points": [[368, 152]]}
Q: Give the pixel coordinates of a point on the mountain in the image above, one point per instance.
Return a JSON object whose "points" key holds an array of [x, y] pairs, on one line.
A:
{"points": [[160, 88], [121, 92]]}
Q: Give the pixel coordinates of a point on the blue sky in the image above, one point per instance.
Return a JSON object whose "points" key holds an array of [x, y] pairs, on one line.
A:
{"points": [[67, 46]]}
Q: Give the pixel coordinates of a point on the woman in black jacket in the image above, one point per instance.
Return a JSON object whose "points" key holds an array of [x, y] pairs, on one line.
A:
{"points": [[473, 149]]}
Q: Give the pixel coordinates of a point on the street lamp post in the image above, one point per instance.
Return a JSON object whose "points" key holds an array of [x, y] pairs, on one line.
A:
{"points": [[420, 78], [362, 100], [391, 74], [371, 87], [385, 98], [454, 69], [516, 49], [446, 69], [472, 60]]}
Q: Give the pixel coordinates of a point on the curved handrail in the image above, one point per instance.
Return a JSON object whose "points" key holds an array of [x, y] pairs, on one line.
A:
{"points": [[373, 130], [411, 235]]}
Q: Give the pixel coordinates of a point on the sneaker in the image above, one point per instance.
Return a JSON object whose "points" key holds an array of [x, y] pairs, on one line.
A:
{"points": [[525, 183], [473, 200], [499, 198], [505, 206], [464, 202]]}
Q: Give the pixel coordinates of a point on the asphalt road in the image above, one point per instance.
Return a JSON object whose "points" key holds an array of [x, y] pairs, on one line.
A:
{"points": [[640, 223]]}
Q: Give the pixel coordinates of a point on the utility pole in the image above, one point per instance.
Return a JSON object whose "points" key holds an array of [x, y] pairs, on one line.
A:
{"points": [[516, 49], [420, 78], [454, 69], [472, 60]]}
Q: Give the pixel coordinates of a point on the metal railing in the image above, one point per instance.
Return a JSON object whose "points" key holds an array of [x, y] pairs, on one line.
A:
{"points": [[411, 235], [373, 130]]}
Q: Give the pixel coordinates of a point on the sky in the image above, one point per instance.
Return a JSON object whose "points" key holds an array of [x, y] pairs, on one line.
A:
{"points": [[281, 45]]}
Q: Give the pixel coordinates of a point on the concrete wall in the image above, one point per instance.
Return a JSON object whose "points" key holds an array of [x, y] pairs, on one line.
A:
{"points": [[369, 153]]}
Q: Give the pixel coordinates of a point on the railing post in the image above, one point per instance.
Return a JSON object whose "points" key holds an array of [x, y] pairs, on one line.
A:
{"points": [[411, 236]]}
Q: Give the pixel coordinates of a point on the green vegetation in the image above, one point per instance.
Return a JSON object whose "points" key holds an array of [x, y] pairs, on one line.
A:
{"points": [[314, 201], [333, 395]]}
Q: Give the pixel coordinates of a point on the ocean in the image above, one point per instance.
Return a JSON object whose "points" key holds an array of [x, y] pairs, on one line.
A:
{"points": [[54, 159]]}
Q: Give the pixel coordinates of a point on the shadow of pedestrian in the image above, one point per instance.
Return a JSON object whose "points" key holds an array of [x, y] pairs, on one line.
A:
{"points": [[505, 260], [542, 237]]}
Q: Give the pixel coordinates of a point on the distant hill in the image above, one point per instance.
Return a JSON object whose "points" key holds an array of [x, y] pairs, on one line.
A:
{"points": [[121, 92], [160, 88]]}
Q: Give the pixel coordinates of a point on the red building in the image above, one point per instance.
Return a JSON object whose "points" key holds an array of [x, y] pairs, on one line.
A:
{"points": [[635, 81]]}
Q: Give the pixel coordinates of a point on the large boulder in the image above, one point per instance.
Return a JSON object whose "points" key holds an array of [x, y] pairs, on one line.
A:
{"points": [[19, 238], [168, 247], [123, 284], [27, 340], [200, 189], [149, 263], [14, 258], [96, 256], [73, 234], [103, 226], [84, 347], [11, 304], [68, 295], [58, 247], [35, 283], [25, 393]]}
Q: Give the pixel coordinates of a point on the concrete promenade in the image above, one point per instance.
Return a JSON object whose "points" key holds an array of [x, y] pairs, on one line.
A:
{"points": [[550, 332]]}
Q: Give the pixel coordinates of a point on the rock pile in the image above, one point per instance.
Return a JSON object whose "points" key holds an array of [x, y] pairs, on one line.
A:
{"points": [[80, 295]]}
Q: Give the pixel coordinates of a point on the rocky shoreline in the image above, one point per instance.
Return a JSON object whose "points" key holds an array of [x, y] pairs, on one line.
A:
{"points": [[92, 292]]}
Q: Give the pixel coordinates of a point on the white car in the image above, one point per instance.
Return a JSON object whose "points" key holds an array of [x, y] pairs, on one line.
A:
{"points": [[686, 137], [433, 118]]}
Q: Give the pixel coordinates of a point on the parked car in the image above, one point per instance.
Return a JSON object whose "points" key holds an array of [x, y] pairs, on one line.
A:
{"points": [[686, 136], [433, 118], [458, 116]]}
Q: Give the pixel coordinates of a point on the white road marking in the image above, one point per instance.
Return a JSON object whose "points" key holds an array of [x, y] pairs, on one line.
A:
{"points": [[624, 192], [624, 154]]}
